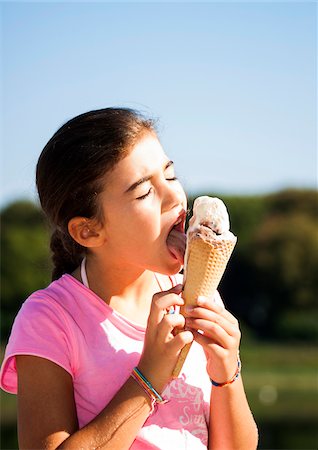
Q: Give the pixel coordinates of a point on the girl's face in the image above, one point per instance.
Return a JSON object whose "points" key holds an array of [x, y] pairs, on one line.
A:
{"points": [[141, 203]]}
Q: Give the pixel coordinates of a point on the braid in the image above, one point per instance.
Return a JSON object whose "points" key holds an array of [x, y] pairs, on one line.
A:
{"points": [[66, 254]]}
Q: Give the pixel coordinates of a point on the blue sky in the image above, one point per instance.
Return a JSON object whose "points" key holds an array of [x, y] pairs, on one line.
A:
{"points": [[233, 84]]}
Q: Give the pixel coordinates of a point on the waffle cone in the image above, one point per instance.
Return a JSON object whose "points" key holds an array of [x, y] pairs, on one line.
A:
{"points": [[206, 263]]}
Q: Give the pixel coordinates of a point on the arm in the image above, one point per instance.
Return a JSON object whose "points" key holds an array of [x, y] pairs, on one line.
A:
{"points": [[46, 407], [232, 426], [47, 413]]}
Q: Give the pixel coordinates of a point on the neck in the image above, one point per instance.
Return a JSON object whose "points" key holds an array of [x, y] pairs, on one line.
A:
{"points": [[126, 284], [126, 290]]}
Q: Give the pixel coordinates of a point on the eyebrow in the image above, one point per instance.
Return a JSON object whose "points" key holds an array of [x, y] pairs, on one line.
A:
{"points": [[147, 178]]}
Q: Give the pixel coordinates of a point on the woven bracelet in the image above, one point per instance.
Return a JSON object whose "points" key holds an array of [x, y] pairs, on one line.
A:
{"points": [[235, 376], [152, 399], [147, 387]]}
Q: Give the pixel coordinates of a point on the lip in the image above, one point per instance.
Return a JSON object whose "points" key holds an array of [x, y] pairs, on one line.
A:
{"points": [[179, 225], [179, 222]]}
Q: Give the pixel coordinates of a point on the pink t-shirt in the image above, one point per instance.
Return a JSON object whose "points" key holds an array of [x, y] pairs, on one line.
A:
{"points": [[70, 325]]}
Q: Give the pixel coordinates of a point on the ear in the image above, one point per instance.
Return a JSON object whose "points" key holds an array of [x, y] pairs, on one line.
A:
{"points": [[86, 232]]}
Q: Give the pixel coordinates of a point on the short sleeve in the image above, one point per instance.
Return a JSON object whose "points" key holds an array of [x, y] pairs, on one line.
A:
{"points": [[40, 329]]}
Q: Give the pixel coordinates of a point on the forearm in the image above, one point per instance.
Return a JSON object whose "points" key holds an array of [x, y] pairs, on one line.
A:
{"points": [[117, 426], [232, 426]]}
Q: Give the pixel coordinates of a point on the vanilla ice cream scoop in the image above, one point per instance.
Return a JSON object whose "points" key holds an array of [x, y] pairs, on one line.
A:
{"points": [[210, 212]]}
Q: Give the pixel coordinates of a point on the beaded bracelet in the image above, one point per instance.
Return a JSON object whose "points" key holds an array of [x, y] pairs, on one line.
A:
{"points": [[154, 396], [235, 376]]}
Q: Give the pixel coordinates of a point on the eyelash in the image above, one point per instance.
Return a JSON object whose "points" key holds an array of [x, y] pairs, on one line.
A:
{"points": [[151, 189], [144, 196]]}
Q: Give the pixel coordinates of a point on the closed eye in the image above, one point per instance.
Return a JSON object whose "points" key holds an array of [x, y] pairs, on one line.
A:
{"points": [[142, 197], [169, 172], [145, 195]]}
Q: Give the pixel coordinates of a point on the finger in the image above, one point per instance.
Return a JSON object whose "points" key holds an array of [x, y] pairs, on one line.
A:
{"points": [[167, 324], [210, 330], [206, 342], [163, 301], [211, 316], [176, 344], [209, 303]]}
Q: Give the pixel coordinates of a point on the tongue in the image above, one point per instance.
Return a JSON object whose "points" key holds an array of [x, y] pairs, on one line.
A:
{"points": [[176, 243]]}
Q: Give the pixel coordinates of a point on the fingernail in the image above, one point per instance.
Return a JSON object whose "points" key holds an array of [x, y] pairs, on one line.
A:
{"points": [[218, 308], [201, 300], [189, 308], [177, 287], [218, 304]]}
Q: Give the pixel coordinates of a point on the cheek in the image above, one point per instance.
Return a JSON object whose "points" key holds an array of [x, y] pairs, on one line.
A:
{"points": [[181, 191], [183, 196], [138, 223], [146, 221], [185, 200]]}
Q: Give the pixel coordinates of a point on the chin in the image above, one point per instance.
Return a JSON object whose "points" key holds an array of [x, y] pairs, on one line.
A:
{"points": [[165, 265], [171, 269]]}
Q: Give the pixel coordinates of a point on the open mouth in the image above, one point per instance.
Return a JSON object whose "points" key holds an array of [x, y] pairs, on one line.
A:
{"points": [[176, 240], [179, 224]]}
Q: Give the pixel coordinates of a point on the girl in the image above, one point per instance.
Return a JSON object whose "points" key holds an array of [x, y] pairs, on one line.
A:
{"points": [[91, 356]]}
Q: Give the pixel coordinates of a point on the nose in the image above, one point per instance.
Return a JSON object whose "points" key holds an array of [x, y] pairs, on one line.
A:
{"points": [[172, 195]]}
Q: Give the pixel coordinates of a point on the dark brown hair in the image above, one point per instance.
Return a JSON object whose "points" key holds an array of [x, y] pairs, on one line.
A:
{"points": [[71, 171]]}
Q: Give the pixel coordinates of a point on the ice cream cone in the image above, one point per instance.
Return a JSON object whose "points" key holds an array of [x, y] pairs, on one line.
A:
{"points": [[206, 262]]}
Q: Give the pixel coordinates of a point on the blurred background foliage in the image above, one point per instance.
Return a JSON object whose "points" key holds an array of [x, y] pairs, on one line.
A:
{"points": [[271, 285], [271, 282]]}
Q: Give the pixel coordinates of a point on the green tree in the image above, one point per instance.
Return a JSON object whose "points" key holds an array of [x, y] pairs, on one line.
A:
{"points": [[25, 262], [291, 201], [271, 280], [284, 252]]}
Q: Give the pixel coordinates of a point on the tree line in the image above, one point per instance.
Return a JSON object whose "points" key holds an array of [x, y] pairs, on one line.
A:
{"points": [[270, 284]]}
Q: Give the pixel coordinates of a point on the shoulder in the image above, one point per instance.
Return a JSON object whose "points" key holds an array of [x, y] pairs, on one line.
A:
{"points": [[63, 297], [41, 328], [48, 305]]}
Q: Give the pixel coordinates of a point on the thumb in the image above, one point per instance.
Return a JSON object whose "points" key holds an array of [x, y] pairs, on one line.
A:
{"points": [[164, 300], [177, 289]]}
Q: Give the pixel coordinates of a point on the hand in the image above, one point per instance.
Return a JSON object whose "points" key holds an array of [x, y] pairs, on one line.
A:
{"points": [[161, 346], [219, 336]]}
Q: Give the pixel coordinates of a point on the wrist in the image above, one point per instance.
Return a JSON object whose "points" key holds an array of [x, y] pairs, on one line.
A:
{"points": [[153, 395], [231, 379], [155, 376]]}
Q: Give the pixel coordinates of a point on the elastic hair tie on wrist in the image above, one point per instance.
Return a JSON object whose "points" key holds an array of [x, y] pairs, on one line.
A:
{"points": [[235, 376]]}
